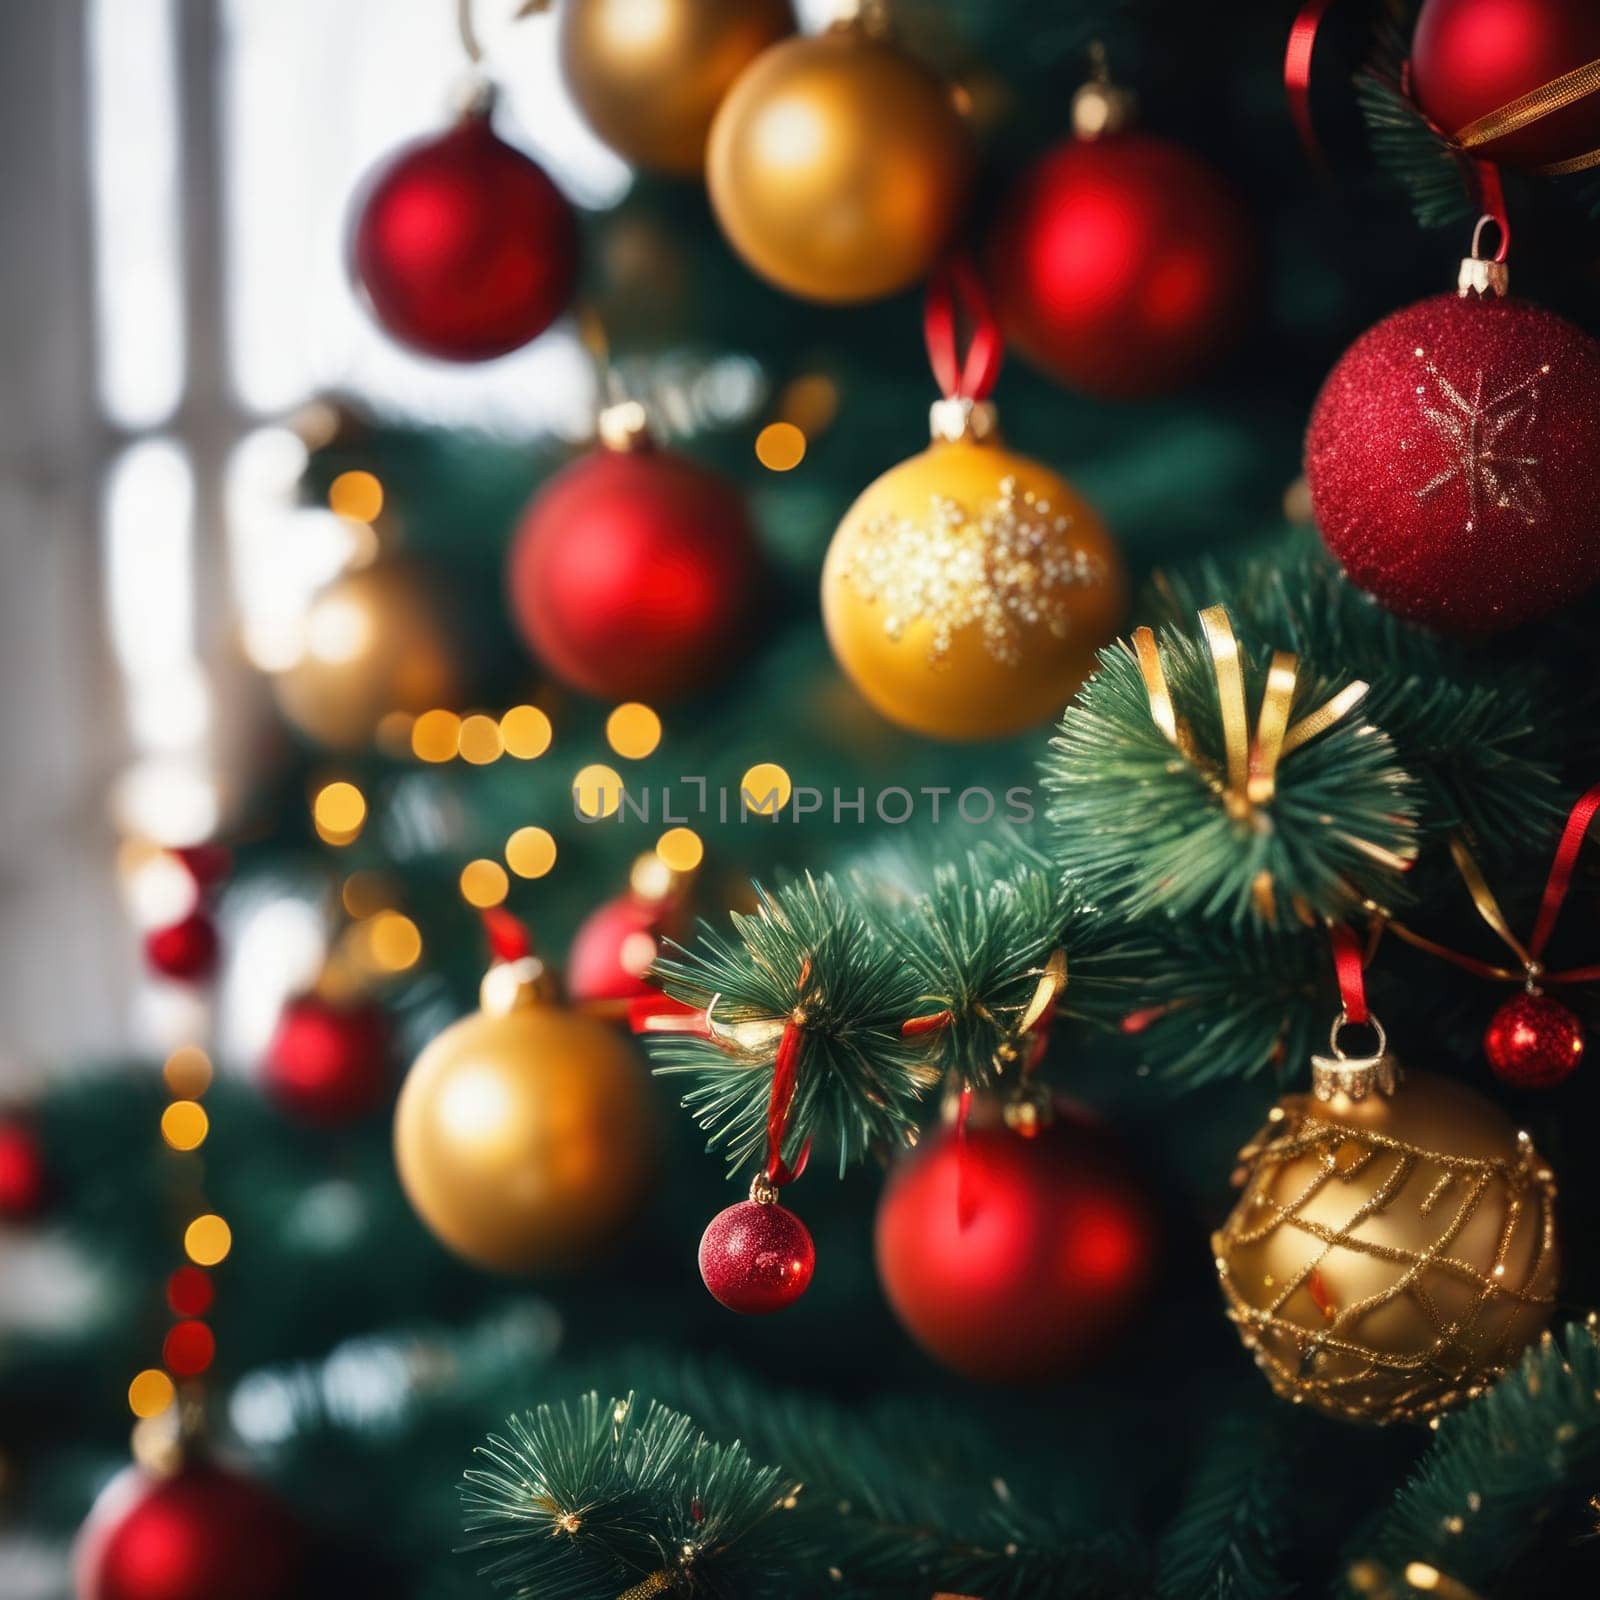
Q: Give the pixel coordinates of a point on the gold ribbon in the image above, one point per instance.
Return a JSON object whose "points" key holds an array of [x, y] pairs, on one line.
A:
{"points": [[1483, 898], [1250, 763], [1534, 106], [662, 1582]]}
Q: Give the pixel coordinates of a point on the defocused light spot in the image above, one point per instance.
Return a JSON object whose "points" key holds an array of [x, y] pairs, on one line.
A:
{"points": [[339, 811], [530, 852], [765, 789], [188, 1350], [188, 1072], [479, 740], [633, 730], [650, 877], [184, 1125], [637, 952], [150, 1393], [597, 790], [436, 736], [394, 732], [484, 883], [525, 731], [393, 941], [357, 495], [189, 1292], [810, 402], [337, 629], [681, 848], [207, 1240], [364, 894], [780, 446]]}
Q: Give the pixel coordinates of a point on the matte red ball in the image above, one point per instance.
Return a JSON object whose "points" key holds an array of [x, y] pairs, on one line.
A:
{"points": [[23, 1182], [202, 1534], [185, 950], [329, 1063], [632, 575], [757, 1258], [1122, 264], [613, 948], [464, 248], [1471, 58], [1020, 1257], [1451, 459], [1533, 1042]]}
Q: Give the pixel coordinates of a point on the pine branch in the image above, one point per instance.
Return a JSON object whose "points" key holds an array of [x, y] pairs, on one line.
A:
{"points": [[1497, 1471], [1412, 153], [1140, 828]]}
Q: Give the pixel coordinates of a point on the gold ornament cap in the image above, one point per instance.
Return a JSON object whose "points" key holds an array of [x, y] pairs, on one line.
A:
{"points": [[1100, 108], [954, 420], [624, 426], [514, 986], [1481, 275], [1354, 1077]]}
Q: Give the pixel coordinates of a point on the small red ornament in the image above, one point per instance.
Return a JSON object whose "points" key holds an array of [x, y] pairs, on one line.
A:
{"points": [[1451, 461], [200, 1534], [328, 1063], [1009, 1257], [1122, 262], [23, 1183], [185, 950], [632, 575], [757, 1257], [1533, 1042], [1512, 80], [463, 246], [614, 947]]}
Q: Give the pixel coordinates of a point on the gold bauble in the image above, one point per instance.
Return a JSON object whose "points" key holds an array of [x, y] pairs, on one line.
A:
{"points": [[1392, 1255], [649, 74], [523, 1133], [374, 642], [839, 166], [967, 590]]}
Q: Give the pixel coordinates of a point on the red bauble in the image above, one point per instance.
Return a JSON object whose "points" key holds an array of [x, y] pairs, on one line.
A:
{"points": [[464, 248], [1471, 59], [632, 575], [1451, 460], [199, 1535], [328, 1063], [613, 948], [1533, 1042], [1016, 1257], [22, 1172], [186, 950], [757, 1257], [1122, 264]]}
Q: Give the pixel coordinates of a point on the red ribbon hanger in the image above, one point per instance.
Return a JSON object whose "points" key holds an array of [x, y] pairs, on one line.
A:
{"points": [[956, 288]]}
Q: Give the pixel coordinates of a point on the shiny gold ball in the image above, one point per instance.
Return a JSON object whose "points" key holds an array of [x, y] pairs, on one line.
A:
{"points": [[839, 166], [1390, 1256], [374, 642], [967, 591], [524, 1139], [649, 74]]}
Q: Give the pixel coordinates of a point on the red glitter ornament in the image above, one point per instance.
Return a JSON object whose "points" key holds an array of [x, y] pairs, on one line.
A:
{"points": [[1122, 264], [757, 1257], [632, 575], [184, 950], [463, 246], [22, 1172], [1498, 76], [1451, 459], [1008, 1257], [328, 1063], [200, 1534], [1533, 1042]]}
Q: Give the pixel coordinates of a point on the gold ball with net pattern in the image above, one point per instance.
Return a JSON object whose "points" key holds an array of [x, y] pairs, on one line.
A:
{"points": [[1389, 1256]]}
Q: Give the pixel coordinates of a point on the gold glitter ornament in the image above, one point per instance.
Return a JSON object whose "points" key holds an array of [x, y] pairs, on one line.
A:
{"points": [[967, 589], [1392, 1252]]}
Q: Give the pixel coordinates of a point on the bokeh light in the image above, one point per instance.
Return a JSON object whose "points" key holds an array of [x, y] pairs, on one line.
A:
{"points": [[633, 730], [480, 740], [184, 1125], [364, 894], [207, 1240], [393, 941], [525, 731], [780, 447], [357, 495], [765, 789], [189, 1348], [339, 811], [436, 736], [188, 1072], [150, 1394], [681, 848], [597, 790], [531, 852], [650, 877], [189, 1292], [484, 883]]}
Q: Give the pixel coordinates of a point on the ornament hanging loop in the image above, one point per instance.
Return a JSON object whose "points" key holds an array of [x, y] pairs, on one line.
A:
{"points": [[1354, 1077], [966, 378], [1487, 277]]}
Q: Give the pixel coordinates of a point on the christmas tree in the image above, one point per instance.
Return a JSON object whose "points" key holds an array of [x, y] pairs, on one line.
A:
{"points": [[1105, 989]]}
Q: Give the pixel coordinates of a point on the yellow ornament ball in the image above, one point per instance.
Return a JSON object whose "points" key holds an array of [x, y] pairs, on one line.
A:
{"points": [[374, 641], [839, 166], [524, 1134], [648, 75], [1391, 1255], [967, 590]]}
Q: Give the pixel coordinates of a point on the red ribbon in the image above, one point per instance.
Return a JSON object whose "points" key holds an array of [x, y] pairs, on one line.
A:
{"points": [[508, 938], [1297, 73], [785, 1079], [1349, 961], [966, 1201], [1561, 869], [955, 286]]}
